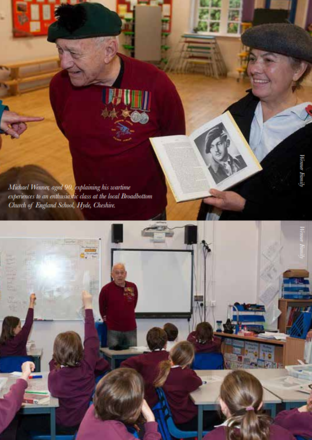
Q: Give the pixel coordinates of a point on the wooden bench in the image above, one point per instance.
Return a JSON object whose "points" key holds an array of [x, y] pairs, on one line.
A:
{"points": [[19, 76]]}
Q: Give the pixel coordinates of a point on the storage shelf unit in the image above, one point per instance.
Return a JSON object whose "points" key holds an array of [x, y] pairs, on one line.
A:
{"points": [[283, 305]]}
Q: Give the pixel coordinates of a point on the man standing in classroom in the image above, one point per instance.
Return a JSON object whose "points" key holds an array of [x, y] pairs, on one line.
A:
{"points": [[117, 302], [108, 106]]}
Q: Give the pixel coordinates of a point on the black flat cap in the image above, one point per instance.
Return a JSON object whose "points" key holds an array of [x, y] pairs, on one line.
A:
{"points": [[284, 38], [84, 20]]}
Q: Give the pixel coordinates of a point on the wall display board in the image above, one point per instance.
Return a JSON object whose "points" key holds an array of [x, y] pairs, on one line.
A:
{"points": [[56, 270], [164, 279], [33, 17]]}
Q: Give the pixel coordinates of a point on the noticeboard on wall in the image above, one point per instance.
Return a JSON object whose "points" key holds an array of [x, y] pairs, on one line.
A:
{"points": [[33, 17]]}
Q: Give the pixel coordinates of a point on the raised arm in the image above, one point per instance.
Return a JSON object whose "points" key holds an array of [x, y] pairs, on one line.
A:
{"points": [[91, 340], [12, 401], [21, 338]]}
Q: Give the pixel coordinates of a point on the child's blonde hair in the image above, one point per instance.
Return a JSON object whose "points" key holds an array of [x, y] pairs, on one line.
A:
{"points": [[181, 354], [243, 394]]}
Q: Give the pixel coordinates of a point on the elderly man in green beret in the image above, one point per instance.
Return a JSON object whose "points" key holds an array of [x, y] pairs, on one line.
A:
{"points": [[108, 106]]}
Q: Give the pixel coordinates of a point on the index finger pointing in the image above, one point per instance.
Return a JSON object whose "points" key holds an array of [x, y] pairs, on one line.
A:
{"points": [[28, 118]]}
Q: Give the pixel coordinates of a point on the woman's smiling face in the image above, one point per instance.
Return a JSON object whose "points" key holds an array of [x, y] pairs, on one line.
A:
{"points": [[271, 75]]}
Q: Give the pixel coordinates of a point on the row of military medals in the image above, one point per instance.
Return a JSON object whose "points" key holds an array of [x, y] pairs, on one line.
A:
{"points": [[137, 99]]}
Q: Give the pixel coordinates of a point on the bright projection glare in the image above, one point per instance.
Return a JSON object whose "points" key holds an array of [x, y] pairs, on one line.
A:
{"points": [[49, 269]]}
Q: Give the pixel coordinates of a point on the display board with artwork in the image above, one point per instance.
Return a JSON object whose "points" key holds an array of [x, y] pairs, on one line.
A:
{"points": [[33, 17]]}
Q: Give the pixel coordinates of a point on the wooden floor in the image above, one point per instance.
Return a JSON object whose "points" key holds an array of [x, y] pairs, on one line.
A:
{"points": [[43, 144]]}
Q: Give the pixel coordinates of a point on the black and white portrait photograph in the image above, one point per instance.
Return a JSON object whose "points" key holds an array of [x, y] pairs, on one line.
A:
{"points": [[219, 152]]}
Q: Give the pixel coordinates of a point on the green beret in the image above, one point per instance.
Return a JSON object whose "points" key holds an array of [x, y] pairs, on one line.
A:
{"points": [[84, 20], [284, 38]]}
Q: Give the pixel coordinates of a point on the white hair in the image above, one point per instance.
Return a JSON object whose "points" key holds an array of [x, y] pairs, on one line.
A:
{"points": [[101, 40]]}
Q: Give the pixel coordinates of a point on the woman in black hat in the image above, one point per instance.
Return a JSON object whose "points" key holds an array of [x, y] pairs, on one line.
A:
{"points": [[278, 127]]}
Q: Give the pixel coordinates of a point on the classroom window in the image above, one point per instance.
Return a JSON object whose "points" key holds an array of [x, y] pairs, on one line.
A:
{"points": [[218, 16]]}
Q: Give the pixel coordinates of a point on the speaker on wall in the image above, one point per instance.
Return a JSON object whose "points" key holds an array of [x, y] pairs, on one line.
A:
{"points": [[190, 234], [117, 233]]}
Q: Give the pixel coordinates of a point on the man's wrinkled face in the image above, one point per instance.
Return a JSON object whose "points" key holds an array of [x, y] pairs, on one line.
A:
{"points": [[83, 59], [119, 275]]}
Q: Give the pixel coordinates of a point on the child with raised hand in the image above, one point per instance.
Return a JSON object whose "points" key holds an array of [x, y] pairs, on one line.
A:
{"points": [[14, 337], [118, 403], [178, 381], [298, 421], [71, 378], [147, 364], [241, 400], [203, 340], [12, 401]]}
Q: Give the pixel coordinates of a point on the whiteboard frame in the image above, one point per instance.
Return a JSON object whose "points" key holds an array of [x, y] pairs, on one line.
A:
{"points": [[65, 238], [149, 315]]}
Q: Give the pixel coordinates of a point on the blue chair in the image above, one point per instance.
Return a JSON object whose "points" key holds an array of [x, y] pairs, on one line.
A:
{"points": [[162, 424], [169, 426], [208, 361], [101, 328], [302, 438], [9, 364], [133, 431]]}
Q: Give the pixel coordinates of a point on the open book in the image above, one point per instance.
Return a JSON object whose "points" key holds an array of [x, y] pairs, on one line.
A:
{"points": [[215, 156]]}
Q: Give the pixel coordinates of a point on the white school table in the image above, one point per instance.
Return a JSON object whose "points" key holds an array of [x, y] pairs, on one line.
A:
{"points": [[290, 398], [112, 355], [33, 408], [36, 354], [206, 396]]}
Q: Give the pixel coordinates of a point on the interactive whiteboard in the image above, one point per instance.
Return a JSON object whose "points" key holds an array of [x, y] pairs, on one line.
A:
{"points": [[55, 269], [164, 279]]}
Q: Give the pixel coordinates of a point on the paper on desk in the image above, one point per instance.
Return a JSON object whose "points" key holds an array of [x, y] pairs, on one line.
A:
{"points": [[140, 348], [287, 383], [3, 381], [271, 335], [16, 373], [211, 379]]}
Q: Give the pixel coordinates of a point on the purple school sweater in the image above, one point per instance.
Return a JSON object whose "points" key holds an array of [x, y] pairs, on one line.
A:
{"points": [[73, 386], [147, 364], [276, 433], [213, 346], [17, 345], [298, 423], [11, 403], [92, 428], [179, 384]]}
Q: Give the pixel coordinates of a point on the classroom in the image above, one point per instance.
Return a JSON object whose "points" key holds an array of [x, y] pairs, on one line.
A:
{"points": [[244, 259], [208, 82]]}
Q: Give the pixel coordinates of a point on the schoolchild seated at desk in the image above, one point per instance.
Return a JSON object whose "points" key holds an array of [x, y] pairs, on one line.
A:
{"points": [[71, 378], [297, 420], [178, 381], [241, 400], [147, 364], [12, 401], [203, 340], [172, 333], [14, 337], [118, 404]]}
